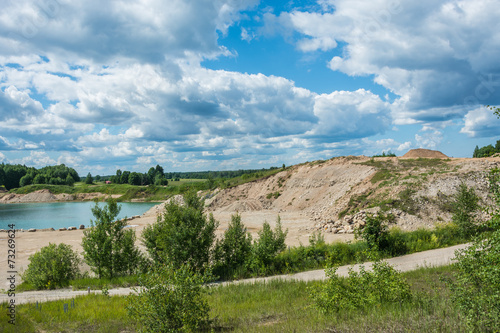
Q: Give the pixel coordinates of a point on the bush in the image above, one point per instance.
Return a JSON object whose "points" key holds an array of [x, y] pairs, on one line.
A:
{"points": [[267, 246], [108, 248], [375, 232], [360, 290], [183, 235], [171, 300], [464, 207], [233, 251], [476, 289], [53, 266]]}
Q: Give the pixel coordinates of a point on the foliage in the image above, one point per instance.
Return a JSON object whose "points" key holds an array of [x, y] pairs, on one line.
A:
{"points": [[384, 154], [486, 151], [464, 208], [108, 248], [89, 180], [268, 244], [361, 290], [375, 233], [171, 299], [53, 266], [182, 235], [14, 176], [234, 250], [476, 289]]}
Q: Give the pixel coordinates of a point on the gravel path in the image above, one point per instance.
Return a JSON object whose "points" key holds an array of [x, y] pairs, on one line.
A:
{"points": [[431, 258]]}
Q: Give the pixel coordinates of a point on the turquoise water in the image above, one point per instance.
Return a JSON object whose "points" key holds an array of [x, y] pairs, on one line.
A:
{"points": [[60, 214]]}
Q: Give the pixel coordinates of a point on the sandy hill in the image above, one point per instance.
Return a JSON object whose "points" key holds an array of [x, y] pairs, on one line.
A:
{"points": [[335, 195], [424, 153]]}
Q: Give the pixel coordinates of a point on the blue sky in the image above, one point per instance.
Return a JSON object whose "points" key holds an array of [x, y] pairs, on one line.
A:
{"points": [[236, 84]]}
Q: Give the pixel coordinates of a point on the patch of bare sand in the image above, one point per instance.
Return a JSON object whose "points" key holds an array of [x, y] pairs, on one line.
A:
{"points": [[27, 243]]}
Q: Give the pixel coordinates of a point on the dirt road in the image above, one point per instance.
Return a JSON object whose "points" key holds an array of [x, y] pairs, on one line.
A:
{"points": [[409, 262]]}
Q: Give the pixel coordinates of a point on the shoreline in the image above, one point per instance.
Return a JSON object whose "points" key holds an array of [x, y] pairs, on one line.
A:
{"points": [[46, 196]]}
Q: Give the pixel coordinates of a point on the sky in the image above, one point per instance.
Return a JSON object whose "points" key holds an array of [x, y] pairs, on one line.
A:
{"points": [[243, 84]]}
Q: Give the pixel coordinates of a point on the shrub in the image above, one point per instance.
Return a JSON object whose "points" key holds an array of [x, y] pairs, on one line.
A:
{"points": [[53, 266], [108, 248], [464, 207], [267, 246], [233, 251], [360, 290], [171, 300], [375, 232], [476, 289], [183, 235]]}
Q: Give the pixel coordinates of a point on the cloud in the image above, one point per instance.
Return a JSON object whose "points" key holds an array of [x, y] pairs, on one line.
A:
{"points": [[150, 31], [433, 54], [345, 114], [480, 123]]}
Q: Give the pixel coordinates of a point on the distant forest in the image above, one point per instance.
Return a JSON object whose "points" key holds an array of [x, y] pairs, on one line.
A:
{"points": [[487, 151], [14, 176]]}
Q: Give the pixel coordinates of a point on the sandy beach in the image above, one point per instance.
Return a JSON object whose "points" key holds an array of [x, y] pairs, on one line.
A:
{"points": [[27, 243]]}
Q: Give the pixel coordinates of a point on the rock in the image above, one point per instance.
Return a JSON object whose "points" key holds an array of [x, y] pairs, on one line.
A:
{"points": [[31, 230], [72, 228], [81, 227], [62, 229]]}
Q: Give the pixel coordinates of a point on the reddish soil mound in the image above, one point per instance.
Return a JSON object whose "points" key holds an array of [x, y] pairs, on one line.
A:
{"points": [[425, 153]]}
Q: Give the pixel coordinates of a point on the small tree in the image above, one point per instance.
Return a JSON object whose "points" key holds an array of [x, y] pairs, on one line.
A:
{"points": [[53, 266], [88, 179], [268, 245], [475, 289], [234, 249], [375, 232], [69, 180], [182, 235], [464, 207], [171, 300], [108, 248]]}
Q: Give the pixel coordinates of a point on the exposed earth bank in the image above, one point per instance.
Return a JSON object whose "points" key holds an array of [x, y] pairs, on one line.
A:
{"points": [[47, 196]]}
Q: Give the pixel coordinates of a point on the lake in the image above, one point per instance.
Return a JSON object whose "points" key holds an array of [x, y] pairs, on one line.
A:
{"points": [[60, 214]]}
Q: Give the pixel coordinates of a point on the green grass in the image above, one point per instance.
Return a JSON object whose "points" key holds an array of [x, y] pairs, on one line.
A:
{"points": [[276, 306], [92, 313]]}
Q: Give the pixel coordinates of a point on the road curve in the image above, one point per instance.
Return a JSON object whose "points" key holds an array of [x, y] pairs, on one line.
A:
{"points": [[431, 258]]}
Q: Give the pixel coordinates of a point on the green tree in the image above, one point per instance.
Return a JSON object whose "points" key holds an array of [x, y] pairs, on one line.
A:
{"points": [[26, 180], [476, 152], [267, 246], [109, 249], [182, 235], [465, 205], [375, 232], [124, 177], [53, 266], [89, 180], [134, 178], [2, 176], [69, 180], [171, 299], [39, 179], [234, 250], [475, 287]]}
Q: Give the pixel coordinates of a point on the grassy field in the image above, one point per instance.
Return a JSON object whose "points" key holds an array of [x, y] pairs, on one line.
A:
{"points": [[264, 307]]}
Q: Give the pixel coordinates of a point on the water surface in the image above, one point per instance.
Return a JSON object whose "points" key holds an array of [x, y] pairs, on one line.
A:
{"points": [[60, 214]]}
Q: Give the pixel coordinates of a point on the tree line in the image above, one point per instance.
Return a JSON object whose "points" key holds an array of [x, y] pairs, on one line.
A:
{"points": [[486, 151], [17, 175]]}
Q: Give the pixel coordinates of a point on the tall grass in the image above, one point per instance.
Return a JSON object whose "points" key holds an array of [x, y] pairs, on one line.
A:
{"points": [[276, 306]]}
